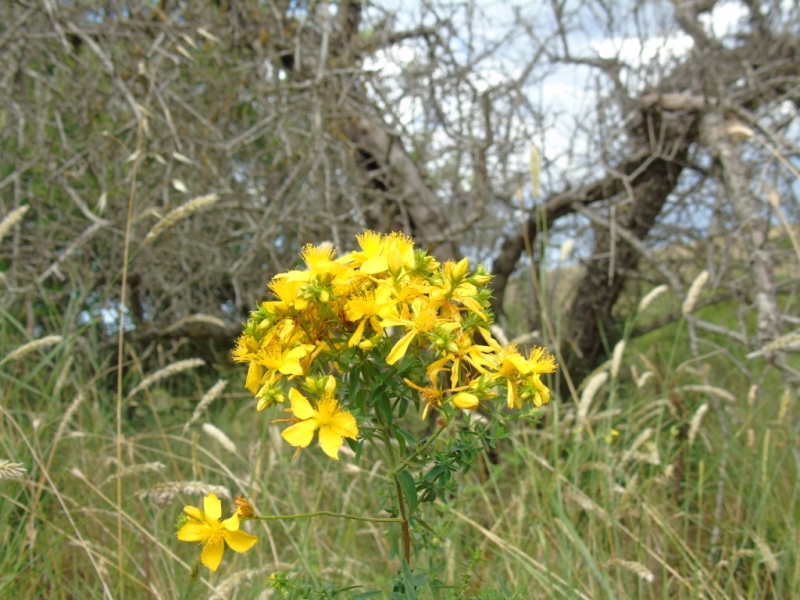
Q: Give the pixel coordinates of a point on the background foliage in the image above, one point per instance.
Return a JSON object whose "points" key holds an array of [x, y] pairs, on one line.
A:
{"points": [[314, 120]]}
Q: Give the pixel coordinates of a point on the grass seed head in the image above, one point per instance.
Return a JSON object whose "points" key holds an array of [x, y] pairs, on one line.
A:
{"points": [[11, 219], [694, 293], [31, 346], [11, 470], [220, 437], [176, 367]]}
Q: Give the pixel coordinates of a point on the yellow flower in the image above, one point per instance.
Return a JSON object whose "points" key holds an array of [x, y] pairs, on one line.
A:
{"points": [[286, 361], [320, 263], [541, 361], [205, 527], [399, 251], [477, 356], [519, 370], [334, 424], [370, 259], [288, 291], [431, 395], [424, 320], [369, 307]]}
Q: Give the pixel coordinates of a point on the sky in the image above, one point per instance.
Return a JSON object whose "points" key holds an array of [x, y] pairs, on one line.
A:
{"points": [[566, 95]]}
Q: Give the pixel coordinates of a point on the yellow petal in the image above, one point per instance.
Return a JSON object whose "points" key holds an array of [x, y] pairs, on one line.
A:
{"points": [[212, 507], [301, 407], [232, 522], [356, 337], [474, 306], [374, 265], [193, 513], [520, 364], [300, 434], [291, 361], [239, 541], [400, 348], [211, 555], [513, 395], [543, 392], [330, 441], [254, 374], [344, 424], [376, 325], [487, 336], [194, 532]]}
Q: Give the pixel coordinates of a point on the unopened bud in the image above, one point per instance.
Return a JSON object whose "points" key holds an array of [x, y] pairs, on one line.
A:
{"points": [[466, 401], [244, 509], [459, 270]]}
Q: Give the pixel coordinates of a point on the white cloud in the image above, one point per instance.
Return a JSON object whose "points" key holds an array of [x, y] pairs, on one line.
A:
{"points": [[636, 52]]}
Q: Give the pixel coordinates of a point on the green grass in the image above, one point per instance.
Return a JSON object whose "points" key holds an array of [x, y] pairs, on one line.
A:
{"points": [[569, 511]]}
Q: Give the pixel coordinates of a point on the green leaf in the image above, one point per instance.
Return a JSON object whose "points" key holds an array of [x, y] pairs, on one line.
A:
{"points": [[408, 578], [408, 437], [409, 489], [365, 595], [359, 449], [403, 409], [385, 408]]}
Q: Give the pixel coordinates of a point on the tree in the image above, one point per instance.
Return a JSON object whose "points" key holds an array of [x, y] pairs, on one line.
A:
{"points": [[313, 120]]}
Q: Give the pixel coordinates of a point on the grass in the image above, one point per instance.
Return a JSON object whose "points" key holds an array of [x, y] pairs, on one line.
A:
{"points": [[620, 505]]}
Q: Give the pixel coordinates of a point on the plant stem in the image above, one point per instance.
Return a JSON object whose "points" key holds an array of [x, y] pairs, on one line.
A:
{"points": [[327, 513], [403, 521], [424, 448], [398, 490]]}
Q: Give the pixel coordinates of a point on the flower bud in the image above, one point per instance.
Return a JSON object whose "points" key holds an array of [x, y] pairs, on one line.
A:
{"points": [[459, 270], [466, 401], [244, 509]]}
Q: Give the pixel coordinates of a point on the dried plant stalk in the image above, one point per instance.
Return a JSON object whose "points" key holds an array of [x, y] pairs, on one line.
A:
{"points": [[767, 555], [11, 470], [219, 435], [151, 467], [216, 321], [710, 389], [211, 395], [163, 494], [637, 443], [31, 346], [694, 293], [177, 367], [616, 358], [634, 567], [650, 297], [535, 170], [11, 219], [68, 414], [694, 425], [589, 392], [181, 212]]}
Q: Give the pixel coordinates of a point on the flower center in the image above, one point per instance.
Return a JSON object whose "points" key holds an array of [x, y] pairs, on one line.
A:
{"points": [[327, 409]]}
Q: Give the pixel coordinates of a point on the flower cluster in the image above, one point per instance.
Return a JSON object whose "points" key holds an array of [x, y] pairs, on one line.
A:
{"points": [[386, 304]]}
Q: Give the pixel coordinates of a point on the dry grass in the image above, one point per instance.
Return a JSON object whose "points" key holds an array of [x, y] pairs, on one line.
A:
{"points": [[567, 512]]}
